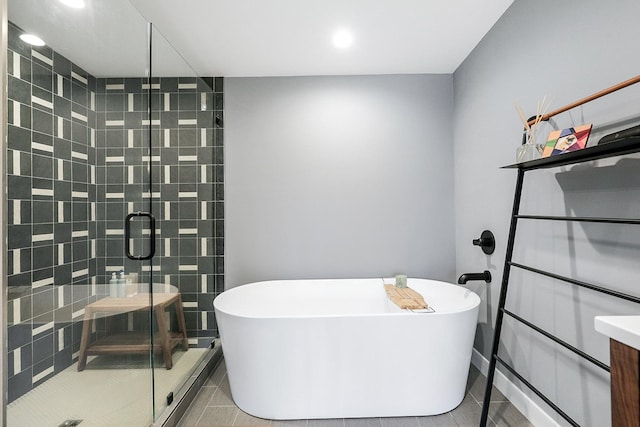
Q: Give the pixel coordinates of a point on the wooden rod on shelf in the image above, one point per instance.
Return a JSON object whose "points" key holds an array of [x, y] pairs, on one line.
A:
{"points": [[589, 98]]}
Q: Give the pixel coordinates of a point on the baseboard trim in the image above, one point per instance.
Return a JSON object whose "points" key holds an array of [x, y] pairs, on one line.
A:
{"points": [[530, 409]]}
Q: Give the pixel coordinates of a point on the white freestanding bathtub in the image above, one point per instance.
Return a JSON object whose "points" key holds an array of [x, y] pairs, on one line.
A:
{"points": [[306, 349]]}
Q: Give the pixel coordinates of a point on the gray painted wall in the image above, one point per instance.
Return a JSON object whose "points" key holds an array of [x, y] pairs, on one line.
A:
{"points": [[338, 177], [565, 50], [316, 165]]}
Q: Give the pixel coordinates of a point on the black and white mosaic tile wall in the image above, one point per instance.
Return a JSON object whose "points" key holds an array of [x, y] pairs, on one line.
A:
{"points": [[186, 182], [52, 194], [76, 165]]}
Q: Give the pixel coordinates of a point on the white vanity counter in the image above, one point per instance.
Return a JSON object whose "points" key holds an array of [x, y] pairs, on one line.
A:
{"points": [[624, 349], [624, 329]]}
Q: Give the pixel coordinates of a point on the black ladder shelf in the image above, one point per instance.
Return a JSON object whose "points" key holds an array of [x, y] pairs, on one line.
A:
{"points": [[629, 146]]}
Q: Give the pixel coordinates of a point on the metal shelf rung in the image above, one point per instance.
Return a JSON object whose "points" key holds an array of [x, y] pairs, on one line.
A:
{"points": [[557, 340], [580, 283], [631, 221], [536, 391]]}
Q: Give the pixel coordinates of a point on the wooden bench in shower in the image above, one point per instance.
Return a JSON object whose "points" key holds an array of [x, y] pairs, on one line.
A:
{"points": [[132, 342]]}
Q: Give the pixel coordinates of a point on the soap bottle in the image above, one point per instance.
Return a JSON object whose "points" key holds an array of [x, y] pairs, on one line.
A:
{"points": [[128, 286], [113, 286], [122, 285]]}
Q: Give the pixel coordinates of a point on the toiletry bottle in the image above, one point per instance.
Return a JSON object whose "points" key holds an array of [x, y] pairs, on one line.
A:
{"points": [[401, 280], [113, 286], [128, 286], [122, 285]]}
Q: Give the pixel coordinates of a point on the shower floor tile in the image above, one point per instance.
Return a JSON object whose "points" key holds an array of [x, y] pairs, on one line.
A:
{"points": [[106, 393], [214, 407]]}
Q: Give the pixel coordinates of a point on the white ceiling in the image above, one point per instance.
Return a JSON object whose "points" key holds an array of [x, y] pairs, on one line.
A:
{"points": [[264, 37], [293, 37]]}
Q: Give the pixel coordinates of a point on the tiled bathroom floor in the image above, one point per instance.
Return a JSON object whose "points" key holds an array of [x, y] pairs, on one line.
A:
{"points": [[213, 407]]}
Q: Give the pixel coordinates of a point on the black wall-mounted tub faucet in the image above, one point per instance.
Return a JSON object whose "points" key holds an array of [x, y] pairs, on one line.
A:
{"points": [[486, 241], [464, 278]]}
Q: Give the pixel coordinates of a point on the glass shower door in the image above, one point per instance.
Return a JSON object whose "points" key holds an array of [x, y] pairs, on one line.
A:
{"points": [[80, 346], [183, 155], [114, 171]]}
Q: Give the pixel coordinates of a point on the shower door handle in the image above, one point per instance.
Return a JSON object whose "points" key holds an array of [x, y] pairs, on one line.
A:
{"points": [[152, 236]]}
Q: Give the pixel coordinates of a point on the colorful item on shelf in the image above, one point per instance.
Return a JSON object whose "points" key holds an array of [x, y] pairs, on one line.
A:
{"points": [[567, 140]]}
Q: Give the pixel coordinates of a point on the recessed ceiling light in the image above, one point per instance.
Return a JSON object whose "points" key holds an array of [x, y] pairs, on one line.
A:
{"points": [[342, 39], [32, 39], [76, 4]]}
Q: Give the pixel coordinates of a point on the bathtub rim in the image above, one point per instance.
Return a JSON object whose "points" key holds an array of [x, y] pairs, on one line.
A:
{"points": [[405, 313]]}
